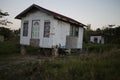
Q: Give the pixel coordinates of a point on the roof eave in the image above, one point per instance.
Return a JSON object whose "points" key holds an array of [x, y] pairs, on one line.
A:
{"points": [[23, 12], [56, 15]]}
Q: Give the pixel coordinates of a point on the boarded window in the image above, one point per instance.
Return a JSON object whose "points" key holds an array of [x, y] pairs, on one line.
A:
{"points": [[47, 29], [25, 28], [74, 30]]}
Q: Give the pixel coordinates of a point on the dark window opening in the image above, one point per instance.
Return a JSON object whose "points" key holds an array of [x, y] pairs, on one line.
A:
{"points": [[74, 31], [25, 28], [95, 40], [47, 29]]}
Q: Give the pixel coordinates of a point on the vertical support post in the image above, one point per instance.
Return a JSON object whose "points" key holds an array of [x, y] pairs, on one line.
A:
{"points": [[55, 52], [23, 50]]}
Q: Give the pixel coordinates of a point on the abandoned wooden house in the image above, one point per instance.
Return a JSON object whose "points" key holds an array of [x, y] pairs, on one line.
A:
{"points": [[44, 28], [97, 39]]}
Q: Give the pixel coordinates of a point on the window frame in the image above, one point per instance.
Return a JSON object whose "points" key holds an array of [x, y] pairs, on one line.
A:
{"points": [[47, 25], [32, 28], [25, 28], [74, 30]]}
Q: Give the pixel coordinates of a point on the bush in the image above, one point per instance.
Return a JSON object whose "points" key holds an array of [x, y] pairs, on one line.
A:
{"points": [[100, 48], [92, 67], [10, 47]]}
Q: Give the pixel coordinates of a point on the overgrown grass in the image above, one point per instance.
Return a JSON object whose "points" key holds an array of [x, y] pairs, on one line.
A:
{"points": [[94, 66], [100, 48], [10, 47], [32, 50], [104, 66]]}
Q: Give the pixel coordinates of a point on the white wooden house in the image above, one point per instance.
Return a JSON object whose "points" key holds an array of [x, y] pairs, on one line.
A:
{"points": [[44, 28], [97, 39]]}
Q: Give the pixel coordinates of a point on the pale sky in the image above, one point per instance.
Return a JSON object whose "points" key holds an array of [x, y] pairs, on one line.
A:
{"points": [[98, 13]]}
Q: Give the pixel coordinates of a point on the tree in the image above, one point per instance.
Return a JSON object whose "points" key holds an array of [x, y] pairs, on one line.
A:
{"points": [[87, 33], [111, 25], [6, 32], [2, 20], [111, 34]]}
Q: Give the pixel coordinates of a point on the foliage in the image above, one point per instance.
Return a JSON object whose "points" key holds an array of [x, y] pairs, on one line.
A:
{"points": [[87, 34], [99, 48], [3, 14], [32, 50], [111, 35], [6, 32], [92, 66], [82, 67], [10, 47], [2, 20], [16, 32]]}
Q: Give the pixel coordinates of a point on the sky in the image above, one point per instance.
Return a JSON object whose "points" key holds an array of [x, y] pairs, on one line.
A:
{"points": [[98, 13]]}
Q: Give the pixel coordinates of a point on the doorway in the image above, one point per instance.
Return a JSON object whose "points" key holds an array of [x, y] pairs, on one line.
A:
{"points": [[35, 33]]}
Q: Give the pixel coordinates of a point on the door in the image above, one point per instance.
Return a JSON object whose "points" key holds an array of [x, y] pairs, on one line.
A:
{"points": [[95, 40], [35, 29], [35, 32]]}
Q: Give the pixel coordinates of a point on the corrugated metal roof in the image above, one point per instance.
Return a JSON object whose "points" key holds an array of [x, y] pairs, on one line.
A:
{"points": [[56, 15]]}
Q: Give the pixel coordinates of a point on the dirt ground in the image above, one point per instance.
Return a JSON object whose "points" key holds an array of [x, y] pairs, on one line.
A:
{"points": [[6, 60]]}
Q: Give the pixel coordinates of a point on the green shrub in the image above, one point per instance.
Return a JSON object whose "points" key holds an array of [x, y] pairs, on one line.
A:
{"points": [[9, 47], [100, 48], [106, 67]]}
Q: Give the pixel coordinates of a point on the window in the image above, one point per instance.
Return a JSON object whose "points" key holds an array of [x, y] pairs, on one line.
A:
{"points": [[25, 28], [74, 30], [47, 29]]}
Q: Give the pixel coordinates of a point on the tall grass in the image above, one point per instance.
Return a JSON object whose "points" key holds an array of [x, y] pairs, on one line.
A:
{"points": [[100, 48], [10, 47], [92, 67], [105, 66]]}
